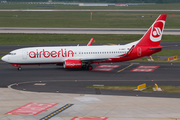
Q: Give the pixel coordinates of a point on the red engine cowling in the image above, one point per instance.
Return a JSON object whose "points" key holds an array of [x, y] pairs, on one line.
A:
{"points": [[72, 64]]}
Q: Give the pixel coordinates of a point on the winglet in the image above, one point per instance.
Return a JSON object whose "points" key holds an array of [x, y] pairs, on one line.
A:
{"points": [[90, 42]]}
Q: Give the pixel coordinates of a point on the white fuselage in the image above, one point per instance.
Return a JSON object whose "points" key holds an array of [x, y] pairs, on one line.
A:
{"points": [[59, 54]]}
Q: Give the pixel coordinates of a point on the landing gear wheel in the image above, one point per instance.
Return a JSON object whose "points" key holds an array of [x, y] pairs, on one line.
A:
{"points": [[89, 67], [19, 68]]}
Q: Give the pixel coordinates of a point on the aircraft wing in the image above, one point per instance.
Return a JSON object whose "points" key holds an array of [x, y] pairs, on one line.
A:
{"points": [[97, 59], [107, 58]]}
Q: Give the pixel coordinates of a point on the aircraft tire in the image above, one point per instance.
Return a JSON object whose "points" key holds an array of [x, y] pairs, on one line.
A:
{"points": [[19, 68], [90, 67]]}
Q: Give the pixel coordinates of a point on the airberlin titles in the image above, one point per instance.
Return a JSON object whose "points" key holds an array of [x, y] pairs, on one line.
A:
{"points": [[53, 53]]}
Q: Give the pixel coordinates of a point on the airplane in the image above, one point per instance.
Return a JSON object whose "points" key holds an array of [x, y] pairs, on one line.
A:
{"points": [[84, 56]]}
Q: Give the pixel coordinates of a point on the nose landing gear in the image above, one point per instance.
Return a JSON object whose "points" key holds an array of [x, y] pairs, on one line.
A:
{"points": [[17, 65], [19, 68]]}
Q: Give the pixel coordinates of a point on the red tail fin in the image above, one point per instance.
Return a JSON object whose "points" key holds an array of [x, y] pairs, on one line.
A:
{"points": [[153, 36]]}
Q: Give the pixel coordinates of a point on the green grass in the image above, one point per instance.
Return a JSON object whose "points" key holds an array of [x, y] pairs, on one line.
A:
{"points": [[169, 52], [128, 88], [82, 19], [1, 56], [38, 6], [18, 39], [22, 39], [165, 89]]}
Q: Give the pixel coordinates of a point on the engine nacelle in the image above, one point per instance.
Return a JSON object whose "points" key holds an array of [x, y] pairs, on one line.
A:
{"points": [[72, 64]]}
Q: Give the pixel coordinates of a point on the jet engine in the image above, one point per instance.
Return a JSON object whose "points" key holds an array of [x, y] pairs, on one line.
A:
{"points": [[72, 64]]}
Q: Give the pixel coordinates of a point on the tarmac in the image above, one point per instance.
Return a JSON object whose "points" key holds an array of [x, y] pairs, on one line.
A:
{"points": [[87, 104], [90, 107]]}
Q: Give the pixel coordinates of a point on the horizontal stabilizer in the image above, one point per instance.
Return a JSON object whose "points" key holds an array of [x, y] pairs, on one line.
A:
{"points": [[160, 47], [155, 48]]}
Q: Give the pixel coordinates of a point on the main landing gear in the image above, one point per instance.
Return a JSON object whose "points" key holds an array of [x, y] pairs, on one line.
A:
{"points": [[90, 67], [87, 67]]}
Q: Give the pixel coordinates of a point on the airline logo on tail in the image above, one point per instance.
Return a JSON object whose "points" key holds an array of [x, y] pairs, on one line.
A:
{"points": [[156, 31]]}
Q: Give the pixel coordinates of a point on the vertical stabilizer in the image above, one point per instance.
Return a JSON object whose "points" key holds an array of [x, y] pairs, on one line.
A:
{"points": [[153, 36]]}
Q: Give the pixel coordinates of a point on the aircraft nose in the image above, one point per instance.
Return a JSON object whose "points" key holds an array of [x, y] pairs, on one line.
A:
{"points": [[4, 58]]}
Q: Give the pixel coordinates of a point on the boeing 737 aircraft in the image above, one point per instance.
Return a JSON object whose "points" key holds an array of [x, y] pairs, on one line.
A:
{"points": [[84, 56]]}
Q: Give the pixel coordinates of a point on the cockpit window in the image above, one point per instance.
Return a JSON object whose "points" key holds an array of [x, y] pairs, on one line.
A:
{"points": [[11, 53]]}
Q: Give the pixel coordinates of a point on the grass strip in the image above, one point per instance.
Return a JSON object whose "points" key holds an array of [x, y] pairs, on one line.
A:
{"points": [[81, 19], [165, 89], [127, 88], [24, 39], [168, 52], [27, 39]]}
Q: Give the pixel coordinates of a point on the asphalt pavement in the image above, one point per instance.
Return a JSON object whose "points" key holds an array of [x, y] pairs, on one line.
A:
{"points": [[74, 80]]}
